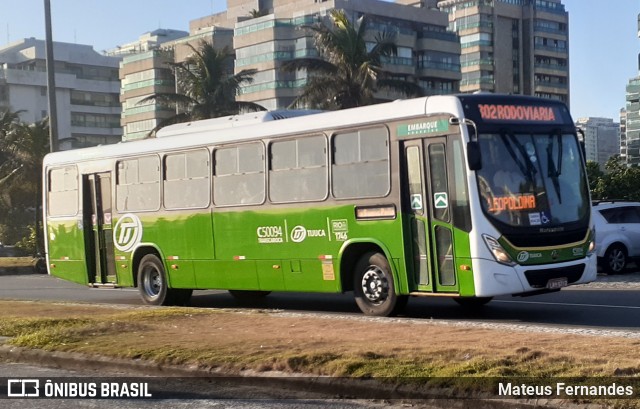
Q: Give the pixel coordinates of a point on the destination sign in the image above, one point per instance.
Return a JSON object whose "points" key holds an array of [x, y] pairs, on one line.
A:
{"points": [[520, 113], [519, 202]]}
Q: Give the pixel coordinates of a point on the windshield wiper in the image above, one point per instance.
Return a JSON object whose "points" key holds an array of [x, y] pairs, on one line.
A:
{"points": [[525, 165], [554, 169]]}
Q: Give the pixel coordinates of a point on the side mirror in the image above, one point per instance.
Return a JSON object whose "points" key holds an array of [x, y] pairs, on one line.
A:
{"points": [[582, 143], [474, 159]]}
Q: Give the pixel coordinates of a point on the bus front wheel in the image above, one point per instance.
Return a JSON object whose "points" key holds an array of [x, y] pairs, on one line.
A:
{"points": [[373, 287]]}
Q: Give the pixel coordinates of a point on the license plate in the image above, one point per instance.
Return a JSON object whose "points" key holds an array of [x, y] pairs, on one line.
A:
{"points": [[556, 283]]}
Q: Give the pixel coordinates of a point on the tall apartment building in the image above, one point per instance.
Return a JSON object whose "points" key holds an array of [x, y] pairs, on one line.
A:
{"points": [[145, 70], [601, 138], [427, 52], [631, 136], [87, 89], [623, 134], [512, 46]]}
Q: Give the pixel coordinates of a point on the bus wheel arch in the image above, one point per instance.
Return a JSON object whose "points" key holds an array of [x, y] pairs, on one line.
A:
{"points": [[349, 257], [374, 288], [152, 280]]}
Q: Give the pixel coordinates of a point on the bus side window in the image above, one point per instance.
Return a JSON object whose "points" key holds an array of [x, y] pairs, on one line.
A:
{"points": [[239, 177], [186, 180], [361, 164], [138, 184], [298, 169]]}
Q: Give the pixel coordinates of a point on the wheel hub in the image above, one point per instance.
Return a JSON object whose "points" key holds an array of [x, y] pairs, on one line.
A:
{"points": [[153, 283], [374, 285]]}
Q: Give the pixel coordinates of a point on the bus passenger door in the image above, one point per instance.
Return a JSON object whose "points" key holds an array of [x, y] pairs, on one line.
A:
{"points": [[417, 211], [440, 228], [428, 207], [98, 228]]}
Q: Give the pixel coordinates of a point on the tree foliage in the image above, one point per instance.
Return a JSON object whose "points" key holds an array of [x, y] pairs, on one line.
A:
{"points": [[207, 88], [22, 148], [618, 181], [348, 74]]}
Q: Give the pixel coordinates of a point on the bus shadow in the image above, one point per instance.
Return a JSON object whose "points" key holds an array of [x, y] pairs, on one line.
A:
{"points": [[553, 309]]}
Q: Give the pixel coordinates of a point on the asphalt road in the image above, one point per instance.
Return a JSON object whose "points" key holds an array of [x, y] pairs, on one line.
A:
{"points": [[571, 308]]}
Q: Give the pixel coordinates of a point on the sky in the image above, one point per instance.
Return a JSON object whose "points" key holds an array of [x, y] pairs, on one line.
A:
{"points": [[603, 36]]}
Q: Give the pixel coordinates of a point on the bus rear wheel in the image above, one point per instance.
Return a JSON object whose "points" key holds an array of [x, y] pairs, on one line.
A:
{"points": [[373, 287], [152, 284]]}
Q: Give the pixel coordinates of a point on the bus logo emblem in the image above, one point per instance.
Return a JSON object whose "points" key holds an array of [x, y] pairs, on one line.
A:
{"points": [[127, 233], [523, 256], [298, 234]]}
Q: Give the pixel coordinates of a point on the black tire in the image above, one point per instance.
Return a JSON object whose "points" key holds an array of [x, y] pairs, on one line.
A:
{"points": [[615, 259], [373, 287], [473, 302], [152, 284], [249, 295], [40, 267], [152, 281]]}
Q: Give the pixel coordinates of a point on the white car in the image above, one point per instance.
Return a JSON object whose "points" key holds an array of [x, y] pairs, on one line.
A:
{"points": [[617, 234]]}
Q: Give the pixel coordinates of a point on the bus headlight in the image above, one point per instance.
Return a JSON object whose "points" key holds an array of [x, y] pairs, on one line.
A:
{"points": [[592, 243], [498, 252]]}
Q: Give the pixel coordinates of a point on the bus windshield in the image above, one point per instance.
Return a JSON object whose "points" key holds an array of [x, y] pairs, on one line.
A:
{"points": [[532, 180]]}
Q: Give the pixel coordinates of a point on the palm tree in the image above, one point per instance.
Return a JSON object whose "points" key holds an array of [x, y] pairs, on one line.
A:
{"points": [[349, 74], [206, 88]]}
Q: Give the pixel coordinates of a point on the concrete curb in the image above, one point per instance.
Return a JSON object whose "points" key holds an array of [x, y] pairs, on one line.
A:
{"points": [[321, 387]]}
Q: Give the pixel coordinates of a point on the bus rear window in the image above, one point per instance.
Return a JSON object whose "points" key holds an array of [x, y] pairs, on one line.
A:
{"points": [[63, 191]]}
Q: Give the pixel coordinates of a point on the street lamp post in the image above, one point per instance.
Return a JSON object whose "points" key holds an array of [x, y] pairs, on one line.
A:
{"points": [[51, 81]]}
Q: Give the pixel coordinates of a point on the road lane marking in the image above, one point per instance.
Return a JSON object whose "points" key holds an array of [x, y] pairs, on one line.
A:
{"points": [[571, 304]]}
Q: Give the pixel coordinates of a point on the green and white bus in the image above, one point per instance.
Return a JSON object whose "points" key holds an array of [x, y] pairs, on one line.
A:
{"points": [[467, 196]]}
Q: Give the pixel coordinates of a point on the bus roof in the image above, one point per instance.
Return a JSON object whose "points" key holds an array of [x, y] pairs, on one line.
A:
{"points": [[233, 121], [208, 132]]}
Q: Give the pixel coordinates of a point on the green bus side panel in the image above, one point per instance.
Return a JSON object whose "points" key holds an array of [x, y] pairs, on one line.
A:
{"points": [[271, 274], [307, 275], [71, 270], [462, 247], [188, 236], [304, 243], [66, 250], [181, 274], [124, 273], [184, 238], [403, 279], [291, 249], [239, 275]]}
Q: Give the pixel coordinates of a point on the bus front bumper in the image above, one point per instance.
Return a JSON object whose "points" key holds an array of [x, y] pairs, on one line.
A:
{"points": [[492, 278]]}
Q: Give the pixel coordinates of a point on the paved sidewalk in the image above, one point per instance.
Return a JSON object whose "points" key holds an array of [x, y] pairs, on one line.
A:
{"points": [[629, 280]]}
